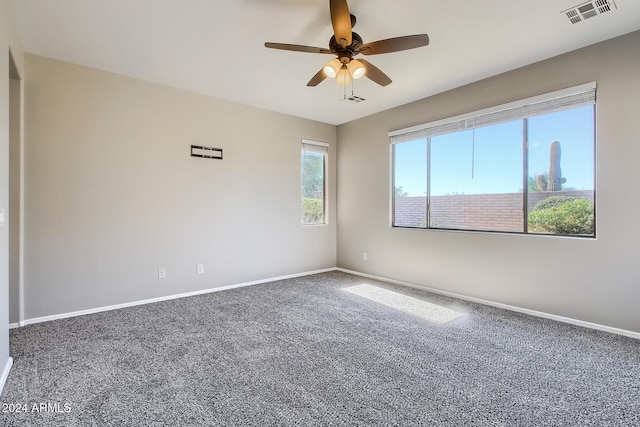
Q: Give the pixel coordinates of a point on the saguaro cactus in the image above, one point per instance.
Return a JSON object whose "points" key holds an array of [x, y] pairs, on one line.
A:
{"points": [[555, 181], [555, 174]]}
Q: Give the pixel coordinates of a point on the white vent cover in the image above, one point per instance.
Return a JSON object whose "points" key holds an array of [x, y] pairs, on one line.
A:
{"points": [[354, 98], [589, 10]]}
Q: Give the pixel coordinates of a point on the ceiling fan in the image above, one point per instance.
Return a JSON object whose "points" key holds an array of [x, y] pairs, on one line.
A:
{"points": [[345, 45]]}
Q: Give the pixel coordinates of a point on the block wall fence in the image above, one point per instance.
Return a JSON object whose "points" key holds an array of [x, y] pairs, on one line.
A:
{"points": [[496, 212]]}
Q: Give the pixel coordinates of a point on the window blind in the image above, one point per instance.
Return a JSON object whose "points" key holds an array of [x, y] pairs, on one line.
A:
{"points": [[543, 104], [318, 147]]}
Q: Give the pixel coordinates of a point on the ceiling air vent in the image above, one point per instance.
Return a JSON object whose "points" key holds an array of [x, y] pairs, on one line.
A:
{"points": [[589, 10], [354, 98]]}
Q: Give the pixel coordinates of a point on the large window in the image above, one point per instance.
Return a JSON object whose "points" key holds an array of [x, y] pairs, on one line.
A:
{"points": [[313, 177], [523, 167]]}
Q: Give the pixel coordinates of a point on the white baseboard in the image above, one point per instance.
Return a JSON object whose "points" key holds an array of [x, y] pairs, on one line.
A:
{"points": [[166, 298], [14, 325], [5, 373], [577, 322]]}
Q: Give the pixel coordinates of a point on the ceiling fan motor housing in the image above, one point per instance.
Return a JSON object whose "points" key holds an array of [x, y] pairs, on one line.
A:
{"points": [[345, 54]]}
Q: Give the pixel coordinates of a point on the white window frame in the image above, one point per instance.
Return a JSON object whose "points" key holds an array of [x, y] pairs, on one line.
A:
{"points": [[318, 147], [564, 99]]}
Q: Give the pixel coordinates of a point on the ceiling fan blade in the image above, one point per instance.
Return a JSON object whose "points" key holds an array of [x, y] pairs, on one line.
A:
{"points": [[341, 21], [375, 74], [296, 47], [395, 44], [317, 79]]}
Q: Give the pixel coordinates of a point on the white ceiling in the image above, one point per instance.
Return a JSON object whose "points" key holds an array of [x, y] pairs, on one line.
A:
{"points": [[216, 47]]}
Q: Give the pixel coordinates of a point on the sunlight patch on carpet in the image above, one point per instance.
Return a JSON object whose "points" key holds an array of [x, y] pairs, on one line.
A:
{"points": [[432, 312]]}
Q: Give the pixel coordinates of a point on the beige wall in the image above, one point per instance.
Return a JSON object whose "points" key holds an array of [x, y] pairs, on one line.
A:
{"points": [[112, 193], [589, 280], [8, 42], [15, 148]]}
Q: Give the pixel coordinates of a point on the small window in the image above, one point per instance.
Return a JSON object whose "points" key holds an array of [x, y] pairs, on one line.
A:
{"points": [[524, 167], [313, 179]]}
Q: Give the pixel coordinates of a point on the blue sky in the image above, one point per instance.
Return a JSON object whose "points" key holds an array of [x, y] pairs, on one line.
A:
{"points": [[489, 160]]}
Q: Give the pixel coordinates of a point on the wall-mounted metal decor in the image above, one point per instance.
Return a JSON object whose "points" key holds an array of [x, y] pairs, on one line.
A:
{"points": [[206, 152]]}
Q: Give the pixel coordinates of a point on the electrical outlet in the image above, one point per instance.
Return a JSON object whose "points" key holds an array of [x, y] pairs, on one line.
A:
{"points": [[200, 268], [162, 273], [365, 256]]}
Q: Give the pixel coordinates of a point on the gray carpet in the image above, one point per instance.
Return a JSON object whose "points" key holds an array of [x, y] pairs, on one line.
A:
{"points": [[305, 352]]}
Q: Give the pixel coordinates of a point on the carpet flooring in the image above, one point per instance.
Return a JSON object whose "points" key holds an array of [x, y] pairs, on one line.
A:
{"points": [[306, 352]]}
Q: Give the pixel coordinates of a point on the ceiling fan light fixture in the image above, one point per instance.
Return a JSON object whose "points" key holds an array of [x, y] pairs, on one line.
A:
{"points": [[356, 69], [332, 68], [343, 78]]}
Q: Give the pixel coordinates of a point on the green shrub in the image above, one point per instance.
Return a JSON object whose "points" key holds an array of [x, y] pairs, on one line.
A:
{"points": [[312, 210], [570, 217], [552, 202]]}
